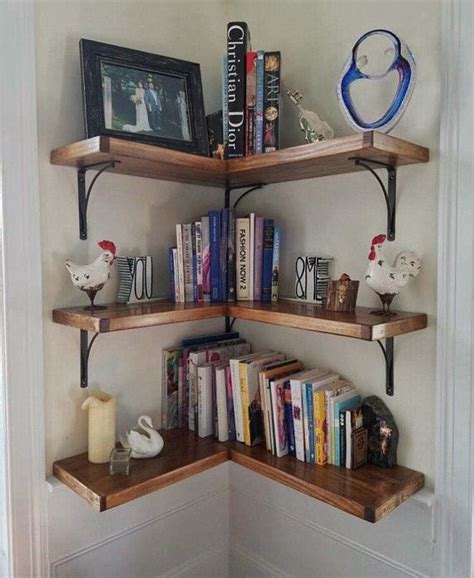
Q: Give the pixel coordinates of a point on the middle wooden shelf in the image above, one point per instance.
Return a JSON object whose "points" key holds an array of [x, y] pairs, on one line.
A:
{"points": [[359, 325]]}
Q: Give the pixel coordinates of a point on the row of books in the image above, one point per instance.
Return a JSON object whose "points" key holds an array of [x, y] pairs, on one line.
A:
{"points": [[221, 258], [250, 96], [220, 388]]}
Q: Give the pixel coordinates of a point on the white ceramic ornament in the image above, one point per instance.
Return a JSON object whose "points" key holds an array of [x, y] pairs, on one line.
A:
{"points": [[144, 441]]}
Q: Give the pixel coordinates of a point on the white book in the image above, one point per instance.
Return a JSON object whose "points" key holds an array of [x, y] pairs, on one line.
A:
{"points": [[198, 229], [206, 260], [237, 398], [251, 256], [242, 245], [205, 385], [221, 402], [180, 257], [298, 414], [188, 262]]}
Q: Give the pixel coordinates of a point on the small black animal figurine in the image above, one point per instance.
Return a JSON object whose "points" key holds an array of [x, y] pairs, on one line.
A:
{"points": [[383, 432]]}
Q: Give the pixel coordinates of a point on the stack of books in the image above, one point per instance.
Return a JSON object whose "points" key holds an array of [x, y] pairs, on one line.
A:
{"points": [[215, 386], [221, 258], [250, 96]]}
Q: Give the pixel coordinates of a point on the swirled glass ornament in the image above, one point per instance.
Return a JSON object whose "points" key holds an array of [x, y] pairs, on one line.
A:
{"points": [[403, 63]]}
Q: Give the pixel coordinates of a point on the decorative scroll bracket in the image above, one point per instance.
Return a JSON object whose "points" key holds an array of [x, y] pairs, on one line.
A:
{"points": [[83, 196], [389, 192], [228, 191], [86, 347], [388, 355]]}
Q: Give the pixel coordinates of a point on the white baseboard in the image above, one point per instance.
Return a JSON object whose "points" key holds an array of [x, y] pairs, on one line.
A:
{"points": [[246, 564]]}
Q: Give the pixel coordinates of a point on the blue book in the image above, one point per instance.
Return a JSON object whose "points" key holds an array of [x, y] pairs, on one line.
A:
{"points": [[343, 405], [267, 260], [194, 262], [214, 236], [290, 426], [223, 252], [309, 404], [259, 103], [205, 339], [171, 288]]}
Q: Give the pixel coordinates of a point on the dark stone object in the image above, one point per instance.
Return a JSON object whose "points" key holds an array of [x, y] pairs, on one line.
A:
{"points": [[383, 432]]}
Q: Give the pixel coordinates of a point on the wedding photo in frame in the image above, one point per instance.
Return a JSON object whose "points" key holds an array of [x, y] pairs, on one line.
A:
{"points": [[143, 97]]}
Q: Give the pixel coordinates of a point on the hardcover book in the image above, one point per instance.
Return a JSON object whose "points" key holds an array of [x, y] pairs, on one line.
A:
{"points": [[289, 423], [171, 286], [267, 260], [251, 100], [170, 381], [243, 261], [276, 262], [188, 263], [205, 377], [221, 403], [225, 104], [260, 101], [258, 259], [194, 261], [230, 405], [271, 112], [237, 46], [206, 260], [359, 447], [353, 421], [251, 254], [199, 278], [223, 253], [231, 266], [277, 396], [214, 235], [180, 290]]}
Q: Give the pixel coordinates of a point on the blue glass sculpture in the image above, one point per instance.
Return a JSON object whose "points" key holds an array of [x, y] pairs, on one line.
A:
{"points": [[403, 63]]}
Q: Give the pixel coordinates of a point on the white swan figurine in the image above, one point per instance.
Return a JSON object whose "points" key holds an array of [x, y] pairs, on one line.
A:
{"points": [[145, 442]]}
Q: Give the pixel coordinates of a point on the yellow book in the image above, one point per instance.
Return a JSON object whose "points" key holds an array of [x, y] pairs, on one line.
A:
{"points": [[244, 394], [320, 427]]}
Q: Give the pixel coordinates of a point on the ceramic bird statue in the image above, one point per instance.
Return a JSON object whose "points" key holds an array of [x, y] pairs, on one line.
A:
{"points": [[388, 280], [144, 441], [92, 278]]}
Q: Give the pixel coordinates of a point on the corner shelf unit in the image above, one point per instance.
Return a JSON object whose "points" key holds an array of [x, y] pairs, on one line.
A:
{"points": [[369, 492]]}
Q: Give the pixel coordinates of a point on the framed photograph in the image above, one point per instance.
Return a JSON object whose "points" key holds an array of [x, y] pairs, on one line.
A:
{"points": [[143, 97]]}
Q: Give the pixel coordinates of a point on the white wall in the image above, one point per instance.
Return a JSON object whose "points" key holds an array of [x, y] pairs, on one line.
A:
{"points": [[336, 215], [272, 527]]}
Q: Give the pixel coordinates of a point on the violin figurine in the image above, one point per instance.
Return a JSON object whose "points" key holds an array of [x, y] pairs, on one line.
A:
{"points": [[313, 127]]}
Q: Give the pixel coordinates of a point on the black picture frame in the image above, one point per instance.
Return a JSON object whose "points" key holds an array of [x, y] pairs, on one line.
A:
{"points": [[109, 99]]}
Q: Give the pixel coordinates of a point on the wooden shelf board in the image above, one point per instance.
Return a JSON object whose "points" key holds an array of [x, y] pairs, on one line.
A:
{"points": [[183, 455], [360, 325], [369, 492], [291, 164], [135, 315]]}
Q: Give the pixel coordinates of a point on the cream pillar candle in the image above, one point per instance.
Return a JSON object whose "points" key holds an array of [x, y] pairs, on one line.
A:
{"points": [[101, 407]]}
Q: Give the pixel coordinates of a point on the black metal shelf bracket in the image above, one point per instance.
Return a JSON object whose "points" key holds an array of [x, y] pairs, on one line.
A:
{"points": [[83, 196], [86, 347], [388, 355], [228, 191], [389, 191], [229, 324]]}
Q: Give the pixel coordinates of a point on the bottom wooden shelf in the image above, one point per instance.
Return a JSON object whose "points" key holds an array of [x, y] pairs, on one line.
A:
{"points": [[370, 493]]}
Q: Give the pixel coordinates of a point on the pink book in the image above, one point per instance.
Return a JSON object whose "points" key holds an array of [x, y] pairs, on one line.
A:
{"points": [[258, 259]]}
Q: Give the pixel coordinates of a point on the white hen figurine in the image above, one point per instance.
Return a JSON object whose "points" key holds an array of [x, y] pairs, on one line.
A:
{"points": [[145, 442], [91, 278], [388, 280]]}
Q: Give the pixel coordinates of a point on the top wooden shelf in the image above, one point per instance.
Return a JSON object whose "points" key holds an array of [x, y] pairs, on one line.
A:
{"points": [[302, 162]]}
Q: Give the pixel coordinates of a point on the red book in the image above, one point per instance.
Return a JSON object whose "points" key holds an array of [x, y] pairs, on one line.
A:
{"points": [[250, 102]]}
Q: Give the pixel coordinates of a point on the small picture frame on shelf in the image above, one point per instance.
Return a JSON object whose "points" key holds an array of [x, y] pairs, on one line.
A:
{"points": [[143, 97]]}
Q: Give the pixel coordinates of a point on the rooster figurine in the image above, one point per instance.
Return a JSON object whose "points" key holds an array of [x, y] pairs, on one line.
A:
{"points": [[388, 280], [91, 278]]}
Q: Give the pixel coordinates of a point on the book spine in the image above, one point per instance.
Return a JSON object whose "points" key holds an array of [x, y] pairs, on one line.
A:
{"points": [[205, 379], [164, 389], [188, 263], [337, 447], [230, 404], [214, 234], [251, 255], [276, 263], [244, 395], [304, 400], [221, 403], [267, 260], [319, 433], [271, 106], [251, 96], [182, 415], [290, 428], [175, 273], [309, 401], [342, 438], [237, 40], [349, 430], [231, 257], [260, 102], [194, 255], [263, 401], [223, 253], [242, 243], [296, 401], [235, 375], [171, 287], [206, 260], [180, 255], [281, 439], [258, 259], [199, 296], [225, 102]]}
